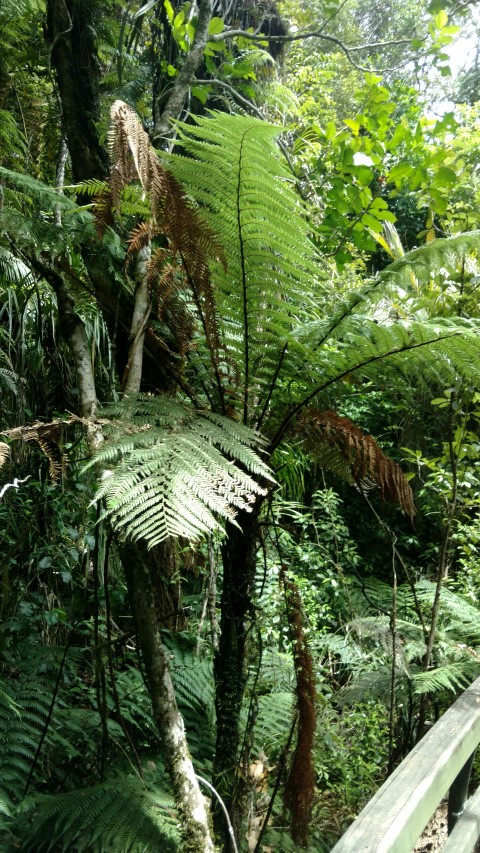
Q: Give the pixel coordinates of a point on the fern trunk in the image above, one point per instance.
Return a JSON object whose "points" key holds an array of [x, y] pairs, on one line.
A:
{"points": [[195, 822], [239, 561]]}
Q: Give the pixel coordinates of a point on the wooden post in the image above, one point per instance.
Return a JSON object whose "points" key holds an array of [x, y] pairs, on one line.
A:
{"points": [[466, 831], [457, 796], [394, 818]]}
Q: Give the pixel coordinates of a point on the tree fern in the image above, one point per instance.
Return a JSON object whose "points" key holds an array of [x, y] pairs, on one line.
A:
{"points": [[174, 472]]}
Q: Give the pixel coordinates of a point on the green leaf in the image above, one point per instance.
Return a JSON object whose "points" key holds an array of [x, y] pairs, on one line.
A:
{"points": [[352, 124], [330, 130], [169, 10], [445, 177], [441, 19], [201, 93], [216, 26], [399, 173], [371, 222]]}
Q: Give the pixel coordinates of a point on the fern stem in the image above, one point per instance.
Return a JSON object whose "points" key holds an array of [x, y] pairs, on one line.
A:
{"points": [[208, 336], [246, 331], [49, 717], [352, 369], [272, 386]]}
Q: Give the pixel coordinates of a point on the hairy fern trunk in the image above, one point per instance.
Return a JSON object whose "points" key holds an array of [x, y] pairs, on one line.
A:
{"points": [[239, 560]]}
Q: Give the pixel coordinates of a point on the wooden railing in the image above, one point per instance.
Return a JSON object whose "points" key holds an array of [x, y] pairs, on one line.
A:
{"points": [[395, 817]]}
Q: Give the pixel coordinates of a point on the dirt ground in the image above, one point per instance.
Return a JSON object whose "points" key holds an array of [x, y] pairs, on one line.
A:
{"points": [[435, 833]]}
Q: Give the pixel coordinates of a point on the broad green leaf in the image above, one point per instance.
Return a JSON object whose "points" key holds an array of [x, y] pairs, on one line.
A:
{"points": [[445, 177], [216, 26], [352, 124], [330, 130], [441, 19], [399, 173], [201, 93]]}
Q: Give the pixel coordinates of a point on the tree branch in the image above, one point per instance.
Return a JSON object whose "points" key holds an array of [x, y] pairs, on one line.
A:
{"points": [[174, 106], [347, 49]]}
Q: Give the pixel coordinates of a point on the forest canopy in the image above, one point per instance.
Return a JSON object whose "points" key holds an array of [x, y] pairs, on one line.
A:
{"points": [[239, 419]]}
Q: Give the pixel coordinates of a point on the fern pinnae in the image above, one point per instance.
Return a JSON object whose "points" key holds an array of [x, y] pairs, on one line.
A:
{"points": [[234, 176], [365, 354]]}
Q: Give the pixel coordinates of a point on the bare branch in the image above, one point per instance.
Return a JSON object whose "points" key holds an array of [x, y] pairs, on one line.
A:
{"points": [[13, 485], [347, 49]]}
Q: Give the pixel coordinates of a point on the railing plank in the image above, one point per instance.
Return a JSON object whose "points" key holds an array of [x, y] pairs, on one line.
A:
{"points": [[395, 817], [466, 831]]}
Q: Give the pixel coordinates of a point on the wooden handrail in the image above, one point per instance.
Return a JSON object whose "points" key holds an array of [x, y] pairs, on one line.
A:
{"points": [[395, 817]]}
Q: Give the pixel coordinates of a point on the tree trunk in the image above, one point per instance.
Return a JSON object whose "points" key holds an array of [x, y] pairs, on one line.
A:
{"points": [[142, 307], [162, 561], [71, 28], [239, 559], [181, 87], [195, 824]]}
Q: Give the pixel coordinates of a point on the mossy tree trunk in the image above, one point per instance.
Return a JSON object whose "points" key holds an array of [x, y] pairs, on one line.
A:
{"points": [[195, 826], [237, 617]]}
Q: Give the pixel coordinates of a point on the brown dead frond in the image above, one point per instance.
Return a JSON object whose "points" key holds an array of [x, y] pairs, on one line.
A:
{"points": [[189, 237], [363, 458], [173, 309], [50, 438], [140, 237], [4, 453]]}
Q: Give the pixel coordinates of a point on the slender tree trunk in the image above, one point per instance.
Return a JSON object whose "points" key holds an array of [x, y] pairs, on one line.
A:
{"points": [[71, 29], [73, 330], [141, 312], [195, 823], [239, 560], [181, 87]]}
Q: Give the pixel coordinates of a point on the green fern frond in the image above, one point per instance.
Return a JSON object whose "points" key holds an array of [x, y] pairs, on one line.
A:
{"points": [[175, 472], [451, 678], [45, 197], [92, 188], [195, 692], [273, 722], [425, 262], [23, 714], [368, 348], [234, 172], [120, 815]]}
